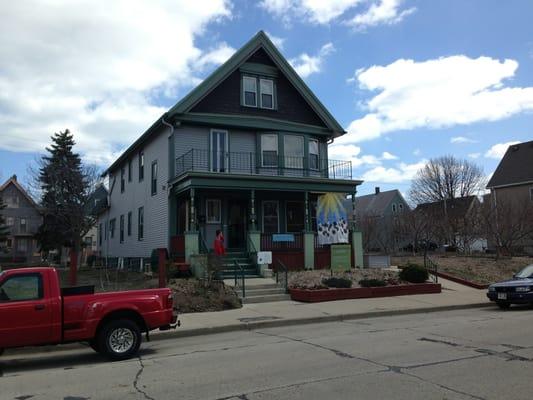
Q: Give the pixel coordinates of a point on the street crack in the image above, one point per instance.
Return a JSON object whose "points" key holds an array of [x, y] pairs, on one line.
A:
{"points": [[137, 378]]}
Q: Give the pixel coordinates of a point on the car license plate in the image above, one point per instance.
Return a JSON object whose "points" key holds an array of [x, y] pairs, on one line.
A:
{"points": [[502, 296]]}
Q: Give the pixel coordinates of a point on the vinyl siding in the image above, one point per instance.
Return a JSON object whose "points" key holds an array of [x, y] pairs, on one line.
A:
{"points": [[138, 194]]}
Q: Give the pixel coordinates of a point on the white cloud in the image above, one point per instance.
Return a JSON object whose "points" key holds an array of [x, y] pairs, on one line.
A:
{"points": [[461, 140], [101, 69], [498, 150], [279, 42], [374, 12], [474, 155], [383, 12], [400, 174], [443, 92], [306, 65], [388, 156]]}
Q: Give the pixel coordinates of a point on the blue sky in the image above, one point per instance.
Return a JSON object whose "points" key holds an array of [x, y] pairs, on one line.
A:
{"points": [[409, 80]]}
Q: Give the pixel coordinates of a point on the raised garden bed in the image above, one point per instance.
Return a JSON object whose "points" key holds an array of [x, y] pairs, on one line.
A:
{"points": [[461, 281], [331, 294]]}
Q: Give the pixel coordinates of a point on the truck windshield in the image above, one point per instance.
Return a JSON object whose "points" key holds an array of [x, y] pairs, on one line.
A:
{"points": [[527, 272]]}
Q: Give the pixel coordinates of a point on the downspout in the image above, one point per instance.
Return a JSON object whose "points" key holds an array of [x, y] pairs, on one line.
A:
{"points": [[171, 164]]}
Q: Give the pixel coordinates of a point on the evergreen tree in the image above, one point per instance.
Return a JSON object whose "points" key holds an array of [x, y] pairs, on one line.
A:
{"points": [[4, 230], [65, 189]]}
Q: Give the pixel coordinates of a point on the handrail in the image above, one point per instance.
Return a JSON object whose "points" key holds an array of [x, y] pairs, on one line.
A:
{"points": [[236, 269], [252, 253], [284, 271], [432, 268]]}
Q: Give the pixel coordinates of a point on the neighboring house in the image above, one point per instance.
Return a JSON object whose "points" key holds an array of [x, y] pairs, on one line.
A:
{"points": [[375, 215], [244, 152], [455, 223], [512, 183], [23, 218], [96, 204]]}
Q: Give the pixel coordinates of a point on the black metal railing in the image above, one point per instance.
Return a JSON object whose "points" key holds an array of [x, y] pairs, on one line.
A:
{"points": [[254, 164], [238, 269], [282, 275], [432, 267], [252, 253], [204, 249]]}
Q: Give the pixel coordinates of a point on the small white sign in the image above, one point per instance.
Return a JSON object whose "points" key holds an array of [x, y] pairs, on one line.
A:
{"points": [[264, 257]]}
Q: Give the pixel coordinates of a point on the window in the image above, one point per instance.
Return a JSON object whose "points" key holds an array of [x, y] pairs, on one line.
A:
{"points": [[129, 223], [22, 288], [100, 234], [266, 87], [22, 244], [270, 216], [249, 87], [295, 216], [130, 170], [313, 154], [10, 221], [213, 211], [122, 228], [112, 228], [140, 224], [88, 241], [393, 207], [294, 151], [122, 179], [269, 150], [23, 225], [219, 150], [154, 178], [12, 202], [141, 166], [400, 207]]}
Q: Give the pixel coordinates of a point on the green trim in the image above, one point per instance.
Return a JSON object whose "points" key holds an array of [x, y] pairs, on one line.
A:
{"points": [[260, 40], [259, 69], [254, 122], [222, 181]]}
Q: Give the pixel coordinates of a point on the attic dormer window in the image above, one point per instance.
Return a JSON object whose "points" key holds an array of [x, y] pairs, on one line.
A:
{"points": [[258, 92]]}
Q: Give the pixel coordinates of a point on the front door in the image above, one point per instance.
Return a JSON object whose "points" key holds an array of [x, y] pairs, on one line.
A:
{"points": [[237, 217], [219, 151]]}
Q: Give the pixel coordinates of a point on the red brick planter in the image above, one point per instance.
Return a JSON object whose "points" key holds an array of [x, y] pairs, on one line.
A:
{"points": [[314, 296], [461, 281]]}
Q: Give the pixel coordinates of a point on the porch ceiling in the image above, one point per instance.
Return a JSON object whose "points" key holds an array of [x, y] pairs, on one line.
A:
{"points": [[217, 180]]}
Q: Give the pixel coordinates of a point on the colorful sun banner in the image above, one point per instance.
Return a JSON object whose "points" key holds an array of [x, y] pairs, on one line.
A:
{"points": [[331, 218]]}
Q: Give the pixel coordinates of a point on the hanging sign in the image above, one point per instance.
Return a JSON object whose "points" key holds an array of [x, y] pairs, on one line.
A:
{"points": [[332, 220]]}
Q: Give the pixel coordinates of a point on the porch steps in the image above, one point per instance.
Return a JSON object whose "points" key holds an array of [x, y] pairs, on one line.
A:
{"points": [[228, 266], [262, 293]]}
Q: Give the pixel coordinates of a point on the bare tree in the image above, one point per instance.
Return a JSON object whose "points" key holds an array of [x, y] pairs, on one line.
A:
{"points": [[414, 227], [508, 224], [446, 178]]}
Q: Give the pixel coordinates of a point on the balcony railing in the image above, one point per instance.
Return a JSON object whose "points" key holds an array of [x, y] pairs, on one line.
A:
{"points": [[244, 163]]}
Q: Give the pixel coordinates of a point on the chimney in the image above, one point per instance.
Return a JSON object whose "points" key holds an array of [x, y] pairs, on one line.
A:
{"points": [[377, 189], [14, 177]]}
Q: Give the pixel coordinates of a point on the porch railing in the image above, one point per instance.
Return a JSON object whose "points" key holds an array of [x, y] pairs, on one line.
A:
{"points": [[269, 243], [250, 163]]}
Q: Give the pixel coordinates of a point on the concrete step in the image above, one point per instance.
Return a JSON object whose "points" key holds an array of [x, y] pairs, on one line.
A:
{"points": [[251, 291], [265, 298]]}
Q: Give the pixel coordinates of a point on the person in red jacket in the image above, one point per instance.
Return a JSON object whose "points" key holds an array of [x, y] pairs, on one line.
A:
{"points": [[219, 244]]}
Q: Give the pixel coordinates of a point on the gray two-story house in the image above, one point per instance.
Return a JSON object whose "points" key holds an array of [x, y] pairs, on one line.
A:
{"points": [[245, 152], [23, 218]]}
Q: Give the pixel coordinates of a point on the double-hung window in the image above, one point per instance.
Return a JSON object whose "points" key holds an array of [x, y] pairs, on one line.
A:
{"points": [[295, 215], [23, 225], [129, 223], [269, 150], [130, 172], [112, 228], [122, 228], [140, 224], [249, 86], [270, 216], [294, 151], [266, 87], [313, 154], [154, 178], [100, 234], [213, 211], [141, 166], [122, 179]]}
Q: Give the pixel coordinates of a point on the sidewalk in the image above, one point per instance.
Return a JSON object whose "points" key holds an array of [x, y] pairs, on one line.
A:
{"points": [[284, 313]]}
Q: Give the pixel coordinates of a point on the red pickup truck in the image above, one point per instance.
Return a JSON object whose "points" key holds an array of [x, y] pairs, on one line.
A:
{"points": [[34, 310]]}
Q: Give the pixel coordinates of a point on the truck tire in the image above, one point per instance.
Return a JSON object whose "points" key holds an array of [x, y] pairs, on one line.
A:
{"points": [[94, 345], [119, 339], [1, 351]]}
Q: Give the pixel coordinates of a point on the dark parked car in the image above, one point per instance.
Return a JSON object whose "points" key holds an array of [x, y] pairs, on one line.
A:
{"points": [[518, 290]]}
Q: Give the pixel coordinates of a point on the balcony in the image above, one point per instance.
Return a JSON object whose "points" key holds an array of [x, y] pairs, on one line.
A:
{"points": [[243, 163]]}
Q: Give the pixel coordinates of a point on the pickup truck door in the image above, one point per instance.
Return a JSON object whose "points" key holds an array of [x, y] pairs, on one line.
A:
{"points": [[25, 312]]}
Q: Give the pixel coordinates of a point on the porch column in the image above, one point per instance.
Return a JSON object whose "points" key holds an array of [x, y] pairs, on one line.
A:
{"points": [[253, 243], [191, 236], [309, 237], [357, 237], [253, 216]]}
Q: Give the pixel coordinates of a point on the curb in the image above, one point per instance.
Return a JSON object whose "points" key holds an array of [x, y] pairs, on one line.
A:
{"points": [[311, 320]]}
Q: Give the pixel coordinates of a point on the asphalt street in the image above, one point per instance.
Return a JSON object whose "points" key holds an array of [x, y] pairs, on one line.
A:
{"points": [[470, 354]]}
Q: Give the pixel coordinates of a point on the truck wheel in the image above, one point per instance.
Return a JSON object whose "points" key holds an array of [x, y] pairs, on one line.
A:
{"points": [[503, 305], [1, 351], [120, 339], [94, 345]]}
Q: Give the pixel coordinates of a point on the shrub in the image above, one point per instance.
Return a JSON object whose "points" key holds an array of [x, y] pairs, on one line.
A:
{"points": [[414, 274], [372, 283], [337, 282]]}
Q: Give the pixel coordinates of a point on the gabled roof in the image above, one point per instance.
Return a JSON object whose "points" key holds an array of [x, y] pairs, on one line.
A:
{"points": [[260, 40], [97, 201], [375, 203], [453, 208], [516, 166], [13, 181]]}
